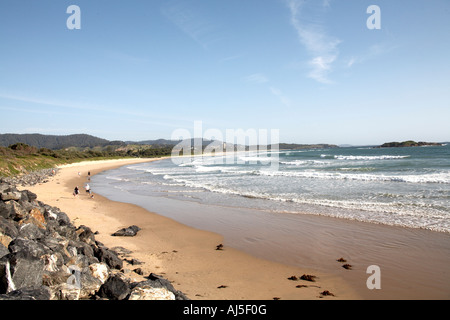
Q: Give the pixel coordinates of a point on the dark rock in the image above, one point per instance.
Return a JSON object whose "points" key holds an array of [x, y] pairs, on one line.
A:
{"points": [[138, 271], [28, 293], [109, 257], [308, 277], [115, 288], [28, 247], [347, 266], [30, 231], [20, 270], [8, 227], [127, 232], [327, 293], [86, 235], [3, 250]]}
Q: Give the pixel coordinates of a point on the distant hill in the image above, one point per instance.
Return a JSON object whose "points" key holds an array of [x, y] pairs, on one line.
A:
{"points": [[55, 142]]}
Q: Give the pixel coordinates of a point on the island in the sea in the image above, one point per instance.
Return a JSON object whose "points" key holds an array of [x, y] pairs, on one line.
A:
{"points": [[409, 143]]}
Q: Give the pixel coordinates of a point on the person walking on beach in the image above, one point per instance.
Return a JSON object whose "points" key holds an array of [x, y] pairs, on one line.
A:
{"points": [[88, 189], [76, 192]]}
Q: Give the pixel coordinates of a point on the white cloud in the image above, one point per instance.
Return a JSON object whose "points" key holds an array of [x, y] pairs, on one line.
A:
{"points": [[318, 43]]}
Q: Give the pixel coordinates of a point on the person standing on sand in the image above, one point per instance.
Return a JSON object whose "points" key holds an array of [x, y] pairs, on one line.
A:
{"points": [[75, 191]]}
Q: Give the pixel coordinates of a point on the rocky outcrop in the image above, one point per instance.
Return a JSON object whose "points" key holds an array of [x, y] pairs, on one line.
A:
{"points": [[43, 256], [408, 143], [31, 178]]}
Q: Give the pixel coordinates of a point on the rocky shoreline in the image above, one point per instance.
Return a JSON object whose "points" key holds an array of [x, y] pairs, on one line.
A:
{"points": [[43, 256]]}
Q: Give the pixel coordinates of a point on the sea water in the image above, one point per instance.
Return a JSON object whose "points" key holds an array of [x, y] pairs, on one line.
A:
{"points": [[407, 187]]}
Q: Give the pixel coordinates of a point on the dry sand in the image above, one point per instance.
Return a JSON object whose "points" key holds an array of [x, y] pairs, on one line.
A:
{"points": [[184, 255]]}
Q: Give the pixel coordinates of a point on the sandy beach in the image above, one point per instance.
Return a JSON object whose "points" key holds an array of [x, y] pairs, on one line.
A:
{"points": [[186, 256]]}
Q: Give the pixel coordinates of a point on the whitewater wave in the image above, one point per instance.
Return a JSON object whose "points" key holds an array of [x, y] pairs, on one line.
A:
{"points": [[382, 157], [425, 178], [303, 162]]}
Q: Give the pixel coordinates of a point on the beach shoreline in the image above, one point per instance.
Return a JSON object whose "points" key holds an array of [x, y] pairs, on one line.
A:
{"points": [[186, 255]]}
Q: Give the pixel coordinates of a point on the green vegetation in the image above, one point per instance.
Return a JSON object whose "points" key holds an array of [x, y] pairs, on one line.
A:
{"points": [[409, 143], [21, 158]]}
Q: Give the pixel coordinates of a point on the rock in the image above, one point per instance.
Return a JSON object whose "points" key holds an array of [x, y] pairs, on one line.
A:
{"points": [[28, 247], [100, 271], [28, 293], [4, 241], [8, 228], [347, 266], [65, 291], [115, 288], [20, 270], [86, 235], [308, 277], [3, 249], [159, 282], [36, 217], [127, 232], [327, 293], [109, 257], [11, 195], [44, 256], [138, 271], [89, 284], [146, 292], [30, 231]]}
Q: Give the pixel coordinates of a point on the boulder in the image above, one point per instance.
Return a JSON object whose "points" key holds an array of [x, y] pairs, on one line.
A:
{"points": [[28, 247], [146, 292], [127, 232], [3, 249], [8, 227], [100, 271], [115, 288], [109, 257], [30, 231], [10, 195], [20, 270], [28, 293]]}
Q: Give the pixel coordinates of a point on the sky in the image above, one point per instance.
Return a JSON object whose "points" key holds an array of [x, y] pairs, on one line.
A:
{"points": [[315, 70]]}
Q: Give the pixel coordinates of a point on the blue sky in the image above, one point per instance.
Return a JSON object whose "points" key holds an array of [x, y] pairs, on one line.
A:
{"points": [[139, 70]]}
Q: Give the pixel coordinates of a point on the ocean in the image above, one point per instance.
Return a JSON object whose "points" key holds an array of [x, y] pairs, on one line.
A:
{"points": [[407, 187]]}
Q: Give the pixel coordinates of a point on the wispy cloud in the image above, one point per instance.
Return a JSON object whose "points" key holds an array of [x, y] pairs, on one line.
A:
{"points": [[372, 52], [322, 47], [284, 100], [195, 25], [257, 78], [260, 78]]}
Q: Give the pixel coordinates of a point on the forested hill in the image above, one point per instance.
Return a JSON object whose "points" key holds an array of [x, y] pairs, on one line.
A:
{"points": [[55, 142]]}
